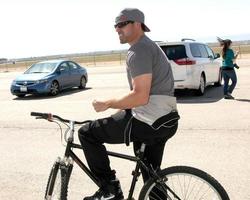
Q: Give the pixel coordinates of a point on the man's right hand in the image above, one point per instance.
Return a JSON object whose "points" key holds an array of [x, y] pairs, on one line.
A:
{"points": [[100, 106]]}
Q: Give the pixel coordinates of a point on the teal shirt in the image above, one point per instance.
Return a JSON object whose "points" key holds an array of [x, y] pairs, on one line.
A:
{"points": [[227, 62]]}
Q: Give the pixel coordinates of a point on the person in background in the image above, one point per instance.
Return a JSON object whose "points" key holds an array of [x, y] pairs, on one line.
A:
{"points": [[228, 65], [147, 113]]}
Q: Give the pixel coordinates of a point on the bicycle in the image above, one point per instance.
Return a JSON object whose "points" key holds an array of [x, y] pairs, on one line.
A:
{"points": [[177, 182]]}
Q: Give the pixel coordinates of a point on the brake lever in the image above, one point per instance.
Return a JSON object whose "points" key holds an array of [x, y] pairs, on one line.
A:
{"points": [[50, 118]]}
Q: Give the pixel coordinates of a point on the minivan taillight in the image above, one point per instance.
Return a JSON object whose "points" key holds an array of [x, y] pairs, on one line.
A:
{"points": [[185, 61]]}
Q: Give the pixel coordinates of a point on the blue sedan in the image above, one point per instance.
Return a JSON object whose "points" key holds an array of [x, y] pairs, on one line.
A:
{"points": [[49, 77]]}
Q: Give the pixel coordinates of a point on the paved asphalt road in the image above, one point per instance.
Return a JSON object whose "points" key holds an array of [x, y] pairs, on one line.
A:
{"points": [[213, 135]]}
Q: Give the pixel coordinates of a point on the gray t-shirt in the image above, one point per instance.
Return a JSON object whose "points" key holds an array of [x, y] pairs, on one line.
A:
{"points": [[147, 57]]}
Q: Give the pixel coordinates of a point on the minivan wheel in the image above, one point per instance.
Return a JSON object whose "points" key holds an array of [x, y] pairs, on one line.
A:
{"points": [[201, 89], [54, 88], [82, 83]]}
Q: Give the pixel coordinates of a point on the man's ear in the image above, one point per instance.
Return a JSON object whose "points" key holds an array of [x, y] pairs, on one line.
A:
{"points": [[137, 24]]}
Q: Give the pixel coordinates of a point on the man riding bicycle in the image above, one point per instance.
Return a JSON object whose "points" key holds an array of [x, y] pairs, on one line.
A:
{"points": [[148, 112]]}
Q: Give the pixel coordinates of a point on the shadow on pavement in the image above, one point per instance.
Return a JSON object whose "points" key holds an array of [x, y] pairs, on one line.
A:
{"points": [[243, 100], [212, 94], [62, 93]]}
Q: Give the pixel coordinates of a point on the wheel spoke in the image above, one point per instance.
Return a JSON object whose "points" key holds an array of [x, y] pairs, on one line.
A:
{"points": [[194, 189], [54, 89], [183, 183]]}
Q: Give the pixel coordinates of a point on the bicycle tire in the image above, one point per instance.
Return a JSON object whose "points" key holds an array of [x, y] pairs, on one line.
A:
{"points": [[186, 182], [57, 185]]}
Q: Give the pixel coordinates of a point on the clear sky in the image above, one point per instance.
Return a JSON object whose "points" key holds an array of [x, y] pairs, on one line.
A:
{"points": [[32, 28]]}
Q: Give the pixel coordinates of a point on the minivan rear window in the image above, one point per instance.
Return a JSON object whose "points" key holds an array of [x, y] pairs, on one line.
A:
{"points": [[174, 52]]}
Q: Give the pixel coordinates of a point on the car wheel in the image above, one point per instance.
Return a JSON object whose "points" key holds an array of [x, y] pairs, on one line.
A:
{"points": [[82, 83], [54, 88], [201, 89], [20, 95], [219, 82]]}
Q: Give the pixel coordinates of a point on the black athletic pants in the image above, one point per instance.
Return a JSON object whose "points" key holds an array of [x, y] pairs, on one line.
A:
{"points": [[111, 130]]}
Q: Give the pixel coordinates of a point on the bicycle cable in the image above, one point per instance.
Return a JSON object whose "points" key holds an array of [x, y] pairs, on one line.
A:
{"points": [[61, 130]]}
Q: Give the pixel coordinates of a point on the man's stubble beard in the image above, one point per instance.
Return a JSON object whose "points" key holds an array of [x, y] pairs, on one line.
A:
{"points": [[122, 40]]}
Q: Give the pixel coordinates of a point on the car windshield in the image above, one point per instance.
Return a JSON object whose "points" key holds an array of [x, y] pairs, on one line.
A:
{"points": [[174, 52], [41, 68]]}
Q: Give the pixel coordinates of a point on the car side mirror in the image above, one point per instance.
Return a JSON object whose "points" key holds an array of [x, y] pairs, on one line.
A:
{"points": [[217, 55], [62, 70], [58, 71]]}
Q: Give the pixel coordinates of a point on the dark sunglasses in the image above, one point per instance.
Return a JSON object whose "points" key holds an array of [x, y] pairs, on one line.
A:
{"points": [[123, 24]]}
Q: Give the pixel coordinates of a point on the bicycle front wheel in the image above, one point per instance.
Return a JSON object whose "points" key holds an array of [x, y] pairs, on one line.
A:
{"points": [[57, 186], [183, 183]]}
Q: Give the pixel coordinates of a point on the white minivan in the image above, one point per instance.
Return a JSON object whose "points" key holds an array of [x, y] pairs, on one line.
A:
{"points": [[194, 64]]}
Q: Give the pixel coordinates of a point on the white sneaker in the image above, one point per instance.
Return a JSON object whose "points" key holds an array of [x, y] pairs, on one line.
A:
{"points": [[113, 191]]}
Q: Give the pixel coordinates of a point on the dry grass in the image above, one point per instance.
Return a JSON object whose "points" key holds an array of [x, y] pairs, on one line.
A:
{"points": [[108, 59], [88, 61], [244, 50]]}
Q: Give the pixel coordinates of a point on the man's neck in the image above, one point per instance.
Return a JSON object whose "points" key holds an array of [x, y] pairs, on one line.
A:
{"points": [[137, 38]]}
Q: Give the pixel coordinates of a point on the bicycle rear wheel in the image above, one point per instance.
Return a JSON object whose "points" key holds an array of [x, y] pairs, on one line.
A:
{"points": [[57, 185], [183, 183]]}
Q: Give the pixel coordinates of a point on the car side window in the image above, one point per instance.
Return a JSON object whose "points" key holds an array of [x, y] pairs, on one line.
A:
{"points": [[195, 50], [203, 51], [64, 67], [210, 52], [72, 66]]}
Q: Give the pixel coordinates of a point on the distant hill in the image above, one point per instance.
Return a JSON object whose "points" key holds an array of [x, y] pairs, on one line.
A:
{"points": [[241, 39], [238, 39], [235, 43]]}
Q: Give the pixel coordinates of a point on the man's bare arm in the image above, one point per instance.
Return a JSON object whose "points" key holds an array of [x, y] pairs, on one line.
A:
{"points": [[137, 97]]}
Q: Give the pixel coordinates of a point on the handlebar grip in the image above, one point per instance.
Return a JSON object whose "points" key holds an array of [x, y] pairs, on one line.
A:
{"points": [[43, 115]]}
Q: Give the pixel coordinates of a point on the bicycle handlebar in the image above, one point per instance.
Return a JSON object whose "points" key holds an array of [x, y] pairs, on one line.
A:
{"points": [[42, 115], [49, 117]]}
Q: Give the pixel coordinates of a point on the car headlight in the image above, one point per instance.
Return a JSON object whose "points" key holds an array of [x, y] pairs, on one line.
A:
{"points": [[42, 81], [13, 82]]}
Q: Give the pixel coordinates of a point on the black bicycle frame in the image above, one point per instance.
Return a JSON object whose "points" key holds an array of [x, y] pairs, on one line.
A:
{"points": [[136, 173], [138, 159]]}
